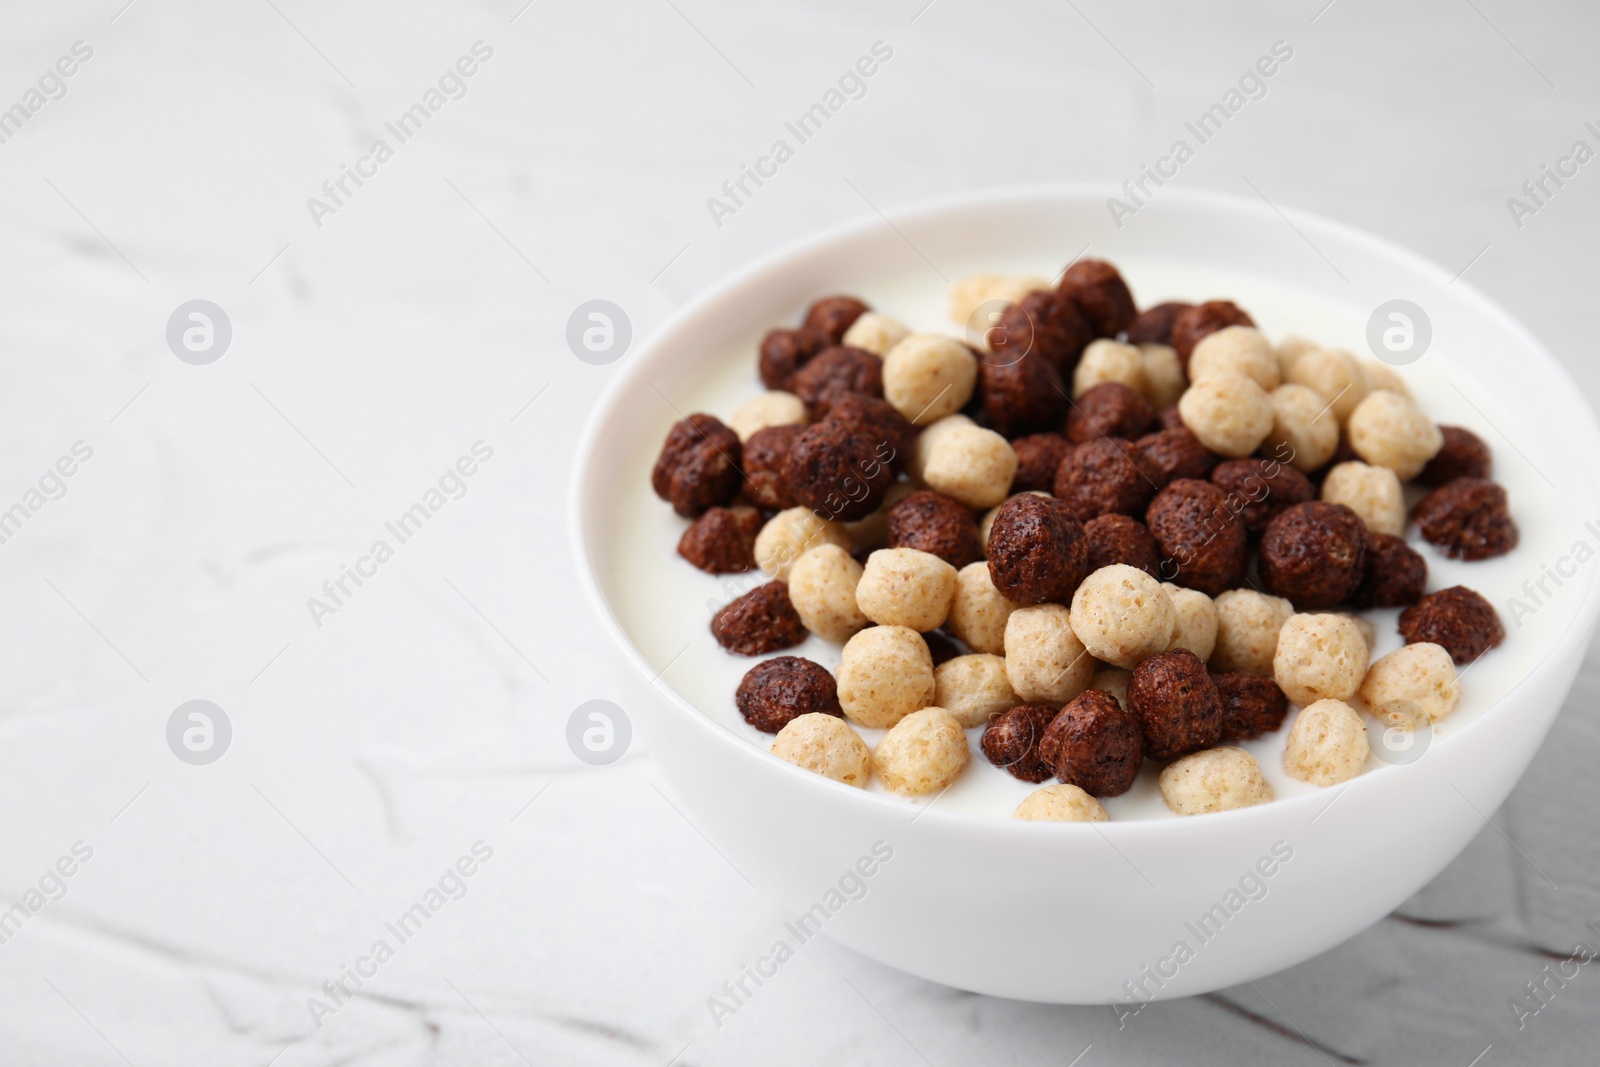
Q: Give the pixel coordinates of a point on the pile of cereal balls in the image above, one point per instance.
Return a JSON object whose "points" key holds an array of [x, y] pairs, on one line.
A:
{"points": [[1107, 535]]}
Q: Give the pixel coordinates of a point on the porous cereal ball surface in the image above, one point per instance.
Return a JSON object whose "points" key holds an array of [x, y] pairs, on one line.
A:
{"points": [[1457, 618], [1369, 632], [1236, 350], [1390, 430], [1021, 396], [1395, 574], [1121, 539], [905, 587], [1045, 661], [1108, 361], [1462, 454], [1011, 741], [893, 437], [777, 691], [1229, 413], [1195, 323], [922, 753], [1038, 456], [929, 437], [1061, 803], [774, 408], [722, 541], [698, 467], [1176, 453], [1196, 617], [1122, 615], [1109, 409], [1094, 744], [1218, 779], [1164, 380], [1260, 488], [1327, 744], [973, 688], [761, 621], [764, 456], [875, 333], [972, 464], [1037, 551], [1304, 428], [1469, 518], [788, 535], [1248, 623], [1153, 325], [1251, 706], [822, 588], [986, 524], [1336, 377], [785, 351], [1098, 289], [825, 745], [969, 294], [1176, 703], [928, 376], [885, 673], [1319, 657], [934, 523], [1203, 542], [1043, 324], [1371, 492], [1105, 476], [834, 372], [1412, 685], [1380, 375], [1314, 554], [837, 470], [978, 612], [833, 315], [1113, 680]]}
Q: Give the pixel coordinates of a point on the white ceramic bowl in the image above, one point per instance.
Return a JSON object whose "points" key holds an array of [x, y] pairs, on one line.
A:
{"points": [[1081, 913]]}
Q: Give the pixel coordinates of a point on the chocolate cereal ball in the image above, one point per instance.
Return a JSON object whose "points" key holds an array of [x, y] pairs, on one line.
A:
{"points": [[934, 523], [833, 315], [1394, 575], [1195, 323], [1314, 554], [759, 622], [834, 372], [836, 471], [1021, 396], [1011, 741], [1095, 745], [1462, 455], [777, 691], [1122, 539], [1042, 324], [1175, 453], [1203, 543], [1153, 326], [893, 435], [1251, 706], [1098, 289], [764, 456], [1458, 619], [1468, 518], [1038, 456], [1170, 418], [1110, 409], [1037, 551], [1263, 487], [723, 540], [1104, 477], [785, 351], [1176, 704], [698, 467]]}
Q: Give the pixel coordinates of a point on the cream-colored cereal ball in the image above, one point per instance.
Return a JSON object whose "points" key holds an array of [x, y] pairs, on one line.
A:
{"points": [[876, 333], [972, 464], [973, 688], [922, 753], [975, 290], [1122, 615], [1327, 744], [788, 535], [978, 612], [1248, 623], [775, 408], [873, 531], [1108, 361], [885, 673], [1390, 430], [1060, 803], [1304, 424], [1218, 779], [1371, 492], [1412, 683], [928, 376], [822, 588], [1369, 632], [906, 587], [1164, 380], [1113, 680], [1228, 412], [930, 437], [986, 523], [1045, 661], [1196, 627], [1319, 657], [1290, 349], [1379, 375], [1236, 350], [825, 745], [1333, 373]]}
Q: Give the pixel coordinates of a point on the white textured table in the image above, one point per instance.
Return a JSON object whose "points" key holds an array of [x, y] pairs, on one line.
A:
{"points": [[381, 334]]}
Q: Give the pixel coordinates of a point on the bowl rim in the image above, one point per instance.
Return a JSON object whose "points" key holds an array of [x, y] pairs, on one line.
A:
{"points": [[1587, 610]]}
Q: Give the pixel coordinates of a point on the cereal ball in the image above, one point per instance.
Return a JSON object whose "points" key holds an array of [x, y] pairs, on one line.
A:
{"points": [[1153, 326], [1248, 623], [1108, 361], [1176, 704], [875, 333], [1382, 376], [1219, 779], [827, 746], [1098, 289], [1037, 552], [986, 524], [973, 688], [1462, 454], [978, 612], [1314, 554], [1104, 477], [837, 471], [1336, 377], [1371, 492], [928, 376], [1042, 324], [885, 673], [1195, 626], [1303, 427], [1021, 396], [833, 315], [1395, 574], [822, 588], [722, 541], [893, 437], [1251, 706], [764, 456], [1460, 620], [922, 753], [1011, 741], [1196, 323], [1094, 745], [1412, 685], [1038, 456], [761, 621], [1060, 803], [975, 290], [1120, 539], [1176, 453], [1109, 409], [1123, 616], [1327, 744], [939, 525], [1045, 661], [1242, 350], [1169, 419], [836, 372], [1229, 413], [1369, 632], [1162, 373], [1319, 657], [774, 408], [785, 351], [1390, 430], [1290, 349], [972, 464], [698, 467], [905, 587], [789, 534], [777, 691], [1203, 543], [1113, 680], [1260, 488], [930, 437], [1468, 518]]}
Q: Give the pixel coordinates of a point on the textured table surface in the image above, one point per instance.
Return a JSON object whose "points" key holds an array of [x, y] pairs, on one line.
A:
{"points": [[378, 337]]}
